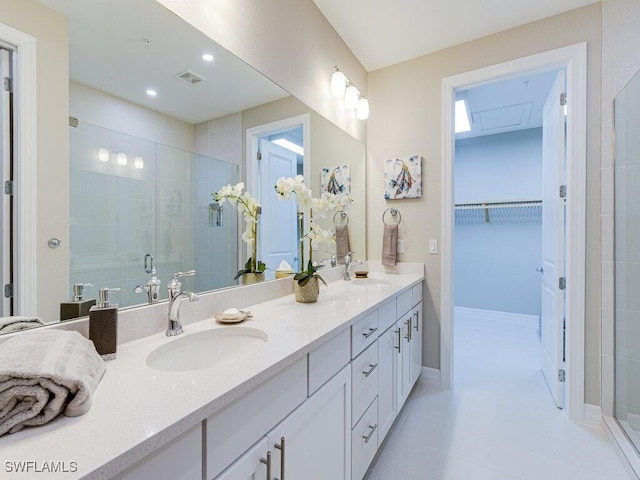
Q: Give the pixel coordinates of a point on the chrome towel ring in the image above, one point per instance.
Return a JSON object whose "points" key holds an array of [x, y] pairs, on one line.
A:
{"points": [[343, 216], [395, 214]]}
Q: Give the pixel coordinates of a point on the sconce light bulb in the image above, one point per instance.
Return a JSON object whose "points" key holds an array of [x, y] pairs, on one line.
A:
{"points": [[103, 155], [338, 84], [122, 158], [138, 162], [362, 110], [351, 97]]}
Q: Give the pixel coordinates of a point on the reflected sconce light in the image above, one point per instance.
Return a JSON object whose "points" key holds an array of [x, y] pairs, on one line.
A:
{"points": [[122, 158], [103, 155], [342, 87], [138, 163]]}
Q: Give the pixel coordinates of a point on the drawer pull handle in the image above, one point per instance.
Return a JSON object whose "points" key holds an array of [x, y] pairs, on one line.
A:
{"points": [[408, 335], [399, 347], [372, 367], [373, 430], [267, 462], [370, 332], [281, 448], [416, 325]]}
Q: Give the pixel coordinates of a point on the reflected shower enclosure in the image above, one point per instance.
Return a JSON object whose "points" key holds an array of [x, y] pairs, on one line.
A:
{"points": [[627, 259], [130, 197]]}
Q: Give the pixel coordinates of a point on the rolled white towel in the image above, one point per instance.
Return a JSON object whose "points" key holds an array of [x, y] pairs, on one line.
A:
{"points": [[44, 374], [16, 323]]}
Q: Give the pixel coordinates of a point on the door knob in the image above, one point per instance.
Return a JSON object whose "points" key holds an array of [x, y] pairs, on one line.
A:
{"points": [[540, 269]]}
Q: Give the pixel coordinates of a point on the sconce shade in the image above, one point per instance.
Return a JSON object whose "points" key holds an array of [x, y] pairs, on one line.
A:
{"points": [[122, 158], [138, 162], [351, 97], [103, 155], [338, 84], [362, 110]]}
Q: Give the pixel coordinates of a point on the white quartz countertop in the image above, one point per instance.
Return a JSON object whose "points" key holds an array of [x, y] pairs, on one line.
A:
{"points": [[137, 409]]}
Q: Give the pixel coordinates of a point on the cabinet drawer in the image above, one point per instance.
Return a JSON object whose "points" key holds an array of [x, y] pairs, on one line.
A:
{"points": [[404, 302], [327, 360], [364, 442], [364, 381], [387, 315], [416, 294], [364, 333], [234, 429]]}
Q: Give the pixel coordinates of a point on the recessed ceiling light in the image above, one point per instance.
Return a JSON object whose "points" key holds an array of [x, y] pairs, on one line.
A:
{"points": [[151, 93], [207, 57]]}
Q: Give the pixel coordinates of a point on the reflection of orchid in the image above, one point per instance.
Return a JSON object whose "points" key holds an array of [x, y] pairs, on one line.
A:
{"points": [[314, 207], [250, 208]]}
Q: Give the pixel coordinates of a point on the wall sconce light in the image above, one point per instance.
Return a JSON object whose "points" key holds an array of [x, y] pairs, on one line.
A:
{"points": [[122, 158], [138, 162], [342, 87], [103, 155]]}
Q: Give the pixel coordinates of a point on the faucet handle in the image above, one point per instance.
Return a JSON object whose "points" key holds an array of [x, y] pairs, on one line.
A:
{"points": [[188, 273]]}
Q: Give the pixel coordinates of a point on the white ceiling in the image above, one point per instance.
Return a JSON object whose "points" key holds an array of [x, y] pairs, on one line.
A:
{"points": [[382, 32], [108, 51]]}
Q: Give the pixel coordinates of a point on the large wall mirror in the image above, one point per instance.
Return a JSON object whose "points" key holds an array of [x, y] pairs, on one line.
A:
{"points": [[159, 115]]}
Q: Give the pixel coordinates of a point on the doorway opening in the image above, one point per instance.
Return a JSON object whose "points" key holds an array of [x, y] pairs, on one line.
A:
{"points": [[274, 150], [509, 230], [571, 281]]}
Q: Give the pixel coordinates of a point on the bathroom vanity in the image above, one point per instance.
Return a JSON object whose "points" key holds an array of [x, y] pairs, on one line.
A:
{"points": [[311, 394]]}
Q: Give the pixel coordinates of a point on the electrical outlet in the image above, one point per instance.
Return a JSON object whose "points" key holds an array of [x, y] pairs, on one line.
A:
{"points": [[400, 246]]}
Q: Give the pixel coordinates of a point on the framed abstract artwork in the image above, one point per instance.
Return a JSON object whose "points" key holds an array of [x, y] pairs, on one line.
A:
{"points": [[403, 178], [336, 180]]}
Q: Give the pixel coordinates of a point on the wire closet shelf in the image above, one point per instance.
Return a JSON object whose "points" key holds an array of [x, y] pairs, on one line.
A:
{"points": [[499, 212]]}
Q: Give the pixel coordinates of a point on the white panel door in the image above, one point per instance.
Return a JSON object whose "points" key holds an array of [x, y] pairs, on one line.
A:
{"points": [[278, 237], [552, 309], [416, 343], [5, 200], [255, 464], [386, 382]]}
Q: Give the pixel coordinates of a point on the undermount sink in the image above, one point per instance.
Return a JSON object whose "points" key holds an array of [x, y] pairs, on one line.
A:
{"points": [[370, 282], [206, 349]]}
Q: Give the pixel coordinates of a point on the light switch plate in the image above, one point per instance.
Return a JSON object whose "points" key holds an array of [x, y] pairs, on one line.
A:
{"points": [[400, 246], [433, 246]]}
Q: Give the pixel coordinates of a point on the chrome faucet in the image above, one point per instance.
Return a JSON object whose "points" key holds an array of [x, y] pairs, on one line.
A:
{"points": [[348, 261], [174, 286], [151, 288]]}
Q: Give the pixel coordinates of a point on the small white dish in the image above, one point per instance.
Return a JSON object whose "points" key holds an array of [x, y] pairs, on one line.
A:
{"points": [[241, 316]]}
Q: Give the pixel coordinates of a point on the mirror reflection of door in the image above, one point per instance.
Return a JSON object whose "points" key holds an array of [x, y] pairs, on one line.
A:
{"points": [[278, 236], [6, 199]]}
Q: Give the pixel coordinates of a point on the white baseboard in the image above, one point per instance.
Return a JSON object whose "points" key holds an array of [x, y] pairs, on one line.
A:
{"points": [[592, 415], [480, 314], [431, 375]]}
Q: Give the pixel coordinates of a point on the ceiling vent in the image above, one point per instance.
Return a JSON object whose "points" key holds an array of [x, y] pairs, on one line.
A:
{"points": [[189, 77]]}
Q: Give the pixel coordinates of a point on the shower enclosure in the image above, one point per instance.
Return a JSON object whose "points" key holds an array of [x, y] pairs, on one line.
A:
{"points": [[130, 197], [627, 260]]}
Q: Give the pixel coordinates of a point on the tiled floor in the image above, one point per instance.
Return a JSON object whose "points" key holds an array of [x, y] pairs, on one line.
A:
{"points": [[498, 423]]}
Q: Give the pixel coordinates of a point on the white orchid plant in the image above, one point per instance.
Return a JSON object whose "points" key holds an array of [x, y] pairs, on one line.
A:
{"points": [[312, 207], [250, 209]]}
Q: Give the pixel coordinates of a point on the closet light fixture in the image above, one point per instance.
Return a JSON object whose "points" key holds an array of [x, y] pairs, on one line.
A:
{"points": [[207, 57], [462, 123], [338, 83], [362, 110], [103, 155], [283, 142], [342, 87], [122, 158], [138, 163]]}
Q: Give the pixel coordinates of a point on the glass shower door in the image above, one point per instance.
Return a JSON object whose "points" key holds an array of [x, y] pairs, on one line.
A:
{"points": [[627, 260]]}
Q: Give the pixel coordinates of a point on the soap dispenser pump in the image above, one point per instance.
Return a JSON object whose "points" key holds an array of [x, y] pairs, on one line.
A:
{"points": [[78, 306], [103, 324]]}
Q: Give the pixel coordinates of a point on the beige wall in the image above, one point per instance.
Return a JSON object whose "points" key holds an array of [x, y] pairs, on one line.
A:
{"points": [[297, 55], [620, 61], [50, 30], [405, 120]]}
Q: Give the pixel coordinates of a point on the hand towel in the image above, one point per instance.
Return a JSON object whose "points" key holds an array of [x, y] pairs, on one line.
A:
{"points": [[342, 243], [390, 245], [45, 373], [15, 324]]}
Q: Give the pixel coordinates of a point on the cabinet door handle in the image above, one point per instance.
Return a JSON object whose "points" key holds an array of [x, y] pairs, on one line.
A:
{"points": [[281, 448], [417, 316], [372, 367], [370, 332], [373, 430], [399, 347], [267, 462], [408, 335]]}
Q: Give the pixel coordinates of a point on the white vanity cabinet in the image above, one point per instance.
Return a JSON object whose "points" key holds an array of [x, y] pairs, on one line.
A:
{"points": [[312, 443], [416, 342]]}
